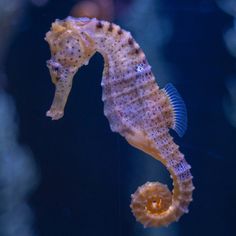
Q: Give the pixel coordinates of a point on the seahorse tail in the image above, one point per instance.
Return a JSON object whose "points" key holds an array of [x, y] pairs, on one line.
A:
{"points": [[153, 204]]}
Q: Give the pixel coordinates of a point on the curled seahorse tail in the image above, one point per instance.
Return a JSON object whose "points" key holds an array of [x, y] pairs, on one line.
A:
{"points": [[153, 204], [149, 202]]}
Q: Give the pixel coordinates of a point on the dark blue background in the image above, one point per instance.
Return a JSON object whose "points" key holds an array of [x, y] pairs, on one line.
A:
{"points": [[85, 167]]}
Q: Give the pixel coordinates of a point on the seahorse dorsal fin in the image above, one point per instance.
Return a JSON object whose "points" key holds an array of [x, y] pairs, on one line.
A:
{"points": [[179, 109]]}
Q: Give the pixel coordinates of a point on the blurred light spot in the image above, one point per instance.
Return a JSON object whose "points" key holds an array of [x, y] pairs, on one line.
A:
{"points": [[10, 13], [229, 102], [100, 9], [230, 40], [86, 9], [18, 175], [17, 222], [228, 6]]}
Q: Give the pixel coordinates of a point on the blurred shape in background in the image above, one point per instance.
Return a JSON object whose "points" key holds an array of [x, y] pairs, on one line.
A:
{"points": [[39, 3], [109, 10], [18, 175], [229, 103], [100, 9], [10, 13], [229, 6], [230, 39]]}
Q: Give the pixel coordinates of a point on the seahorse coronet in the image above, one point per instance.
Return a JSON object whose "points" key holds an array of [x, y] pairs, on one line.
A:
{"points": [[133, 103]]}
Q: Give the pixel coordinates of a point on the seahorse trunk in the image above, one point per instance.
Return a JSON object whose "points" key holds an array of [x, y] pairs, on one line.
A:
{"points": [[134, 105]]}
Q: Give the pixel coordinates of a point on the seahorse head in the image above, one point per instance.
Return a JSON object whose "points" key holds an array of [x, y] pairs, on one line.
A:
{"points": [[71, 47]]}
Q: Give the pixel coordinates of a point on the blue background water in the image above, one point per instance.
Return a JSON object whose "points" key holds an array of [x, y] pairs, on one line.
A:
{"points": [[85, 169]]}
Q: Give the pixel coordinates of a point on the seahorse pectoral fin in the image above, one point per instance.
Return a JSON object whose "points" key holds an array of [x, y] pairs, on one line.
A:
{"points": [[179, 111]]}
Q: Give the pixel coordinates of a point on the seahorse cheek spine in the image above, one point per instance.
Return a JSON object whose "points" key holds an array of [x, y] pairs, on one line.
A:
{"points": [[133, 104]]}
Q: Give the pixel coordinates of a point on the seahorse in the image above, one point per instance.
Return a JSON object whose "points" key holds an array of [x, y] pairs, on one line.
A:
{"points": [[135, 106]]}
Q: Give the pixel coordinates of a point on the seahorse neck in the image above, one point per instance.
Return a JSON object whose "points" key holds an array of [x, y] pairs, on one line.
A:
{"points": [[113, 55], [119, 50]]}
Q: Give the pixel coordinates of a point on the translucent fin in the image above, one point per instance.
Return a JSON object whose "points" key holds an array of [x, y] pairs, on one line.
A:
{"points": [[179, 109]]}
